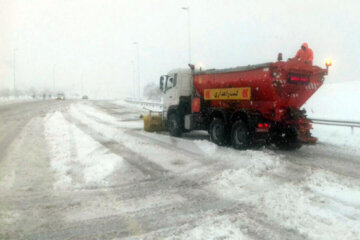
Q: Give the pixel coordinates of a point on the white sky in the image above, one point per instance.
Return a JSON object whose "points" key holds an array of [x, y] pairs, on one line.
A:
{"points": [[95, 38]]}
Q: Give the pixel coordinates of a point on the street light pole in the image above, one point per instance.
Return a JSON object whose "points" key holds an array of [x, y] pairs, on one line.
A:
{"points": [[133, 65], [187, 9], [14, 52], [53, 78], [138, 67], [82, 83]]}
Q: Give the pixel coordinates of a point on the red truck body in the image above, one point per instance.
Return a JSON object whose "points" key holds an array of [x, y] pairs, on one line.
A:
{"points": [[275, 87]]}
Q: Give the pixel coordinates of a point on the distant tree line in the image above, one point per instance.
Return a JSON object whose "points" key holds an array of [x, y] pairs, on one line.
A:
{"points": [[32, 92]]}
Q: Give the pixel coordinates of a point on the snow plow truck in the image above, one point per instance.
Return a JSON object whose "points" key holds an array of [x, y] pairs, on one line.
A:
{"points": [[247, 107]]}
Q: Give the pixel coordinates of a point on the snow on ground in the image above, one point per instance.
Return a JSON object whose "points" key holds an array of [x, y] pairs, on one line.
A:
{"points": [[183, 188], [336, 135], [319, 206], [141, 104], [101, 209], [317, 203], [120, 131], [314, 202], [75, 157], [222, 227], [123, 121]]}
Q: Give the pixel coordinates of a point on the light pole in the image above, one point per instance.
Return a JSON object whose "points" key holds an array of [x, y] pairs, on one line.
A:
{"points": [[14, 52], [82, 83], [138, 67], [134, 78], [187, 9], [53, 78]]}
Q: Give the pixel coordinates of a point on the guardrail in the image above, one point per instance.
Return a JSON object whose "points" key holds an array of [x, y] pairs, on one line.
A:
{"points": [[144, 103], [351, 124], [336, 122]]}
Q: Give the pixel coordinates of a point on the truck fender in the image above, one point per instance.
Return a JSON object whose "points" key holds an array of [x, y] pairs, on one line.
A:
{"points": [[219, 113], [239, 115], [172, 109]]}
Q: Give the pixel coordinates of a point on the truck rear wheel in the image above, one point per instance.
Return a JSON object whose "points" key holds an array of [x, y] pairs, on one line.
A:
{"points": [[287, 139], [217, 132], [240, 136], [174, 125]]}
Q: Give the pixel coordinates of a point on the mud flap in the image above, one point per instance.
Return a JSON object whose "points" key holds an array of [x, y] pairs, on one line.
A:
{"points": [[305, 134], [306, 137]]}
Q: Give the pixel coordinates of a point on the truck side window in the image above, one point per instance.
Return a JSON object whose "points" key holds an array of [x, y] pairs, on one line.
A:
{"points": [[171, 82], [175, 80]]}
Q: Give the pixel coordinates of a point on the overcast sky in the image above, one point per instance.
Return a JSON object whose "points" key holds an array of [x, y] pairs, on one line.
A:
{"points": [[94, 39]]}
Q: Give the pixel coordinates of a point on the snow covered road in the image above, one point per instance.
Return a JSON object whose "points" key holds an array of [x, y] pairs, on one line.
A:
{"points": [[87, 170]]}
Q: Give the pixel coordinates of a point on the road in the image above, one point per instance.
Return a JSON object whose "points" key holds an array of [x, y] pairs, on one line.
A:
{"points": [[87, 170]]}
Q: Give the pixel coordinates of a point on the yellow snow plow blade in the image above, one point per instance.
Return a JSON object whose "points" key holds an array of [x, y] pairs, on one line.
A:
{"points": [[153, 123]]}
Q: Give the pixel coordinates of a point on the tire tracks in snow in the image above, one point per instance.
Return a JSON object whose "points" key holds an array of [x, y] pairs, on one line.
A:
{"points": [[324, 158], [199, 199], [147, 167]]}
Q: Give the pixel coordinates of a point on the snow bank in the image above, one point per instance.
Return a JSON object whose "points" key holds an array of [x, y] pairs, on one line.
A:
{"points": [[249, 180], [314, 216], [75, 157], [254, 159], [322, 206], [339, 136], [342, 189], [208, 148], [212, 228]]}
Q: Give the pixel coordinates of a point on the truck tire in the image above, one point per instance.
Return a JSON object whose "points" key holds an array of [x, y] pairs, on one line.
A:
{"points": [[287, 139], [174, 125], [217, 132], [240, 135]]}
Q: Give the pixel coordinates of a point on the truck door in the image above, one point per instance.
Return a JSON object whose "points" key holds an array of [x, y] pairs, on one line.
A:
{"points": [[171, 92]]}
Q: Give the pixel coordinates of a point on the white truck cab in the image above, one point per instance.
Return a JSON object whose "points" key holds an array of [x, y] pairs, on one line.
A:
{"points": [[176, 84]]}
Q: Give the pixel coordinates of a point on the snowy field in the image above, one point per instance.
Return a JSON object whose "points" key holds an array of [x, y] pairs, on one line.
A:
{"points": [[336, 101], [87, 170]]}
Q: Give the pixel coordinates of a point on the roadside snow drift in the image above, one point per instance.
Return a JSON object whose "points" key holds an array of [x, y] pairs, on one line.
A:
{"points": [[318, 205]]}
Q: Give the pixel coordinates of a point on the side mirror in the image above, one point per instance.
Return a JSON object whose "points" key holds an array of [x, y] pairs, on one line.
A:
{"points": [[162, 83]]}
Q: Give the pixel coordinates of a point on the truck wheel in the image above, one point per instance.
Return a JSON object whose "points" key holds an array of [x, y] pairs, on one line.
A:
{"points": [[174, 125], [287, 139], [217, 132], [240, 136]]}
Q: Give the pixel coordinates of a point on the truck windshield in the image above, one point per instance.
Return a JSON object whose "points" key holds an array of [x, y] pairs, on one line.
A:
{"points": [[163, 79]]}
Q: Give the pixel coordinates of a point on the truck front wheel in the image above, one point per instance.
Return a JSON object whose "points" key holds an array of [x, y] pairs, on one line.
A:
{"points": [[217, 132], [174, 125], [240, 136]]}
